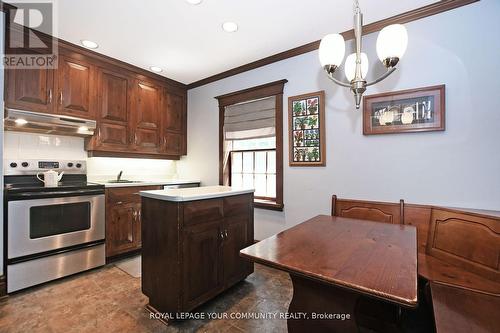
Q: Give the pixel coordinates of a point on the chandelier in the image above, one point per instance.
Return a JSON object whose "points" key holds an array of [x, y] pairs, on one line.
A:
{"points": [[391, 45]]}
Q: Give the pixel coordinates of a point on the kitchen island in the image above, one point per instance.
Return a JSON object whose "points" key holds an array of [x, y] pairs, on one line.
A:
{"points": [[191, 240]]}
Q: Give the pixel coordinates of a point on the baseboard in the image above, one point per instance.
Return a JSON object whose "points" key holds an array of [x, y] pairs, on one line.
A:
{"points": [[256, 241], [3, 286], [118, 257]]}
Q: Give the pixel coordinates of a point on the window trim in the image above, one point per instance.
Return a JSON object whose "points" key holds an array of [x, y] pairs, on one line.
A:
{"points": [[266, 90]]}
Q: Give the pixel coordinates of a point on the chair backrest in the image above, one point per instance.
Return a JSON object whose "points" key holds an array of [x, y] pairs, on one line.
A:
{"points": [[467, 240], [369, 210]]}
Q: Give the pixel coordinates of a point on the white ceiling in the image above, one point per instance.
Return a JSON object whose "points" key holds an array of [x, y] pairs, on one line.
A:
{"points": [[187, 41]]}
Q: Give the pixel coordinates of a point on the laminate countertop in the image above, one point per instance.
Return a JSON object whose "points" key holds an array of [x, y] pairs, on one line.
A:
{"points": [[147, 182], [194, 193]]}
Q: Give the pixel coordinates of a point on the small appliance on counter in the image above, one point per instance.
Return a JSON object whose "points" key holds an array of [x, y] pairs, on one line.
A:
{"points": [[51, 231]]}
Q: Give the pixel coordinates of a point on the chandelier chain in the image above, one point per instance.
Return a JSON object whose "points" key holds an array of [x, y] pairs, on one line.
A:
{"points": [[356, 7]]}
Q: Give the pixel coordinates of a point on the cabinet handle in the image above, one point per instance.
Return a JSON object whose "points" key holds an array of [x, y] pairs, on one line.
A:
{"points": [[135, 138], [60, 98], [119, 202], [225, 234], [221, 235], [50, 96], [139, 216], [165, 142]]}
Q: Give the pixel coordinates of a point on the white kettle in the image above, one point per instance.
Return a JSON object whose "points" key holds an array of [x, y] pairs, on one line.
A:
{"points": [[50, 178]]}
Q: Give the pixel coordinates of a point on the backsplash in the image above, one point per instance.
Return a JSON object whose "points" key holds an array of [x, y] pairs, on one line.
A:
{"points": [[107, 168], [20, 145]]}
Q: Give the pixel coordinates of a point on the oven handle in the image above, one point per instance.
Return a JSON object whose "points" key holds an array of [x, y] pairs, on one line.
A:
{"points": [[42, 195]]}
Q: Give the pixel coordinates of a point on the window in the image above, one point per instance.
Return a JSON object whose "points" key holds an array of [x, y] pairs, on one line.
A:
{"points": [[253, 164], [251, 142]]}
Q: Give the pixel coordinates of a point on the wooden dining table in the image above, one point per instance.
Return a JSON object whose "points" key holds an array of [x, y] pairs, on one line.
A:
{"points": [[334, 261]]}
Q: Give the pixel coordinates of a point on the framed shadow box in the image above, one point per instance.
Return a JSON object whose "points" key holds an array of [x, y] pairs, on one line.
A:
{"points": [[413, 110], [306, 127]]}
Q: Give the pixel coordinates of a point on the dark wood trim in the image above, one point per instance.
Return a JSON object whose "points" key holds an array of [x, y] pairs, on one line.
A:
{"points": [[265, 90], [268, 205], [412, 15], [98, 153], [3, 286]]}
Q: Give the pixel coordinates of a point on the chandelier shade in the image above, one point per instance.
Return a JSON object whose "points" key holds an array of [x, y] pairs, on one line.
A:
{"points": [[332, 50], [350, 66], [392, 42]]}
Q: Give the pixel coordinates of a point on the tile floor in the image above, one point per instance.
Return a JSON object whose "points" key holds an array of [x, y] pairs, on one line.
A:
{"points": [[110, 300]]}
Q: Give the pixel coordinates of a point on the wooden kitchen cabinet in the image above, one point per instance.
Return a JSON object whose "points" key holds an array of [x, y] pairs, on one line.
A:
{"points": [[146, 116], [113, 110], [172, 124], [123, 219], [202, 262], [29, 89], [190, 250], [138, 113], [75, 88]]}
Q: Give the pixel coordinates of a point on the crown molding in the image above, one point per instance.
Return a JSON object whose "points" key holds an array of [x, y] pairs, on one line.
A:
{"points": [[412, 15]]}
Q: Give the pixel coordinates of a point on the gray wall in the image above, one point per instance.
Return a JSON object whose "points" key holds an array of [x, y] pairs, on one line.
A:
{"points": [[458, 167]]}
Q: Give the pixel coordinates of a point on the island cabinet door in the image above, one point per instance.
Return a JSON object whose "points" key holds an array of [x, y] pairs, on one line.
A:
{"points": [[236, 238], [123, 228], [202, 263]]}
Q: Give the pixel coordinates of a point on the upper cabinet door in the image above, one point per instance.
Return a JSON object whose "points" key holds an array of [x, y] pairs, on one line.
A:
{"points": [[29, 89], [147, 100], [75, 87], [113, 109], [174, 112]]}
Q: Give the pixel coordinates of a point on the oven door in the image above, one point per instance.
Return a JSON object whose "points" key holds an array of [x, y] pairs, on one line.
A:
{"points": [[40, 225]]}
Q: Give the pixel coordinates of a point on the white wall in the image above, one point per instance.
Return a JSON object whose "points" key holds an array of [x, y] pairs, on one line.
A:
{"points": [[458, 167]]}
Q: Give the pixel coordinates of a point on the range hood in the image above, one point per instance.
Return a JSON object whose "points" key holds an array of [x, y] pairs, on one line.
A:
{"points": [[27, 121]]}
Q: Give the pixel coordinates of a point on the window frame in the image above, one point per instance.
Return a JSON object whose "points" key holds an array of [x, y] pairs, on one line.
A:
{"points": [[266, 90]]}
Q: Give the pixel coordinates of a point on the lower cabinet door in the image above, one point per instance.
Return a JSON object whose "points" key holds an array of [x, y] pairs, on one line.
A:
{"points": [[236, 237], [123, 228], [201, 264]]}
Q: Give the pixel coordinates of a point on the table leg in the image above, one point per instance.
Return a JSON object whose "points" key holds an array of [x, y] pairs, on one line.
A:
{"points": [[315, 298]]}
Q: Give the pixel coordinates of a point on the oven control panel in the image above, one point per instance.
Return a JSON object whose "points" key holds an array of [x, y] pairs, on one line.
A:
{"points": [[32, 167]]}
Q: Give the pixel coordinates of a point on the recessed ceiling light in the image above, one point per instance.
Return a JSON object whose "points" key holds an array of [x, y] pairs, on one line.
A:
{"points": [[89, 44], [230, 27], [194, 2], [155, 69]]}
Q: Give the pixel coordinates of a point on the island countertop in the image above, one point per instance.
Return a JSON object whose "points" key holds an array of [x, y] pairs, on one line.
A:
{"points": [[194, 193]]}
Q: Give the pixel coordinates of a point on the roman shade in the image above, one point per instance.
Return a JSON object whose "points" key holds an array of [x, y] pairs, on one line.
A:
{"points": [[250, 120]]}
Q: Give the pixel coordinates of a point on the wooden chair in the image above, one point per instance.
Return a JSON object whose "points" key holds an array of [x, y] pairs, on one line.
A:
{"points": [[463, 249], [369, 210]]}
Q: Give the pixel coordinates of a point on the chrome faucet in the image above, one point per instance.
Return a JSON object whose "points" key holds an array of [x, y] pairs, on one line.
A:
{"points": [[119, 176]]}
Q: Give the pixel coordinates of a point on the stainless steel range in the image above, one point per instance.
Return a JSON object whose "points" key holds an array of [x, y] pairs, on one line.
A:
{"points": [[51, 232]]}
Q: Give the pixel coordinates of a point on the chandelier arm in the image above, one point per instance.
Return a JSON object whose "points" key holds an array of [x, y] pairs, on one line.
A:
{"points": [[386, 74], [340, 83]]}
